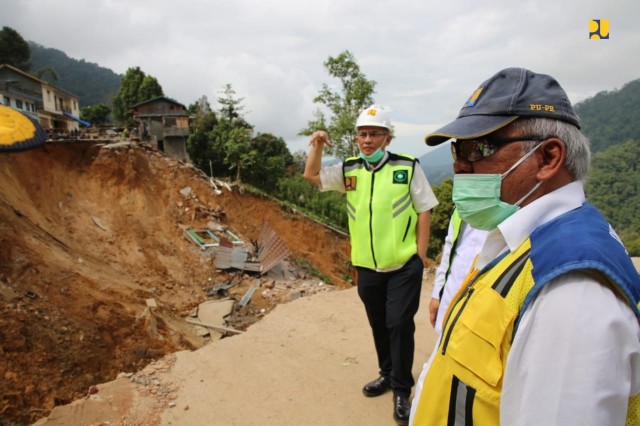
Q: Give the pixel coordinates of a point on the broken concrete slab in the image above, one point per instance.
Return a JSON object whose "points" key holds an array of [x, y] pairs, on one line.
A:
{"points": [[210, 318], [214, 311]]}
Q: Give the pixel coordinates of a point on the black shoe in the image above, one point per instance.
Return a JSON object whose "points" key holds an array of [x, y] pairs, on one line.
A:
{"points": [[401, 409], [377, 387]]}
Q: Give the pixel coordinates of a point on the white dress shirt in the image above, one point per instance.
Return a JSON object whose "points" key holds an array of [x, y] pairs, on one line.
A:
{"points": [[575, 359], [470, 241]]}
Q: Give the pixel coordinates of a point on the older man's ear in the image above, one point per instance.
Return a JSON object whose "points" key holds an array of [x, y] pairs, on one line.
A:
{"points": [[551, 160]]}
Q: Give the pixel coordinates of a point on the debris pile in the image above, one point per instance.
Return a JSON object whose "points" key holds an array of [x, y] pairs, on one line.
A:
{"points": [[97, 276]]}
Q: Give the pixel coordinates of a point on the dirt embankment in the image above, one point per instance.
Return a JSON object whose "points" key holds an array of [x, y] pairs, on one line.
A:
{"points": [[88, 235]]}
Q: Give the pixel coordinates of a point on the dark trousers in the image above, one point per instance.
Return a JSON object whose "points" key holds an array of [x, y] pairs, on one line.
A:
{"points": [[391, 300]]}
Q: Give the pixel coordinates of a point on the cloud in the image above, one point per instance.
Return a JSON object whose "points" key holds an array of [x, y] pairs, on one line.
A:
{"points": [[426, 57]]}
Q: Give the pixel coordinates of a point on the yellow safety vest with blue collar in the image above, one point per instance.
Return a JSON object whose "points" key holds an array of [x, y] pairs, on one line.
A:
{"points": [[382, 220], [466, 375]]}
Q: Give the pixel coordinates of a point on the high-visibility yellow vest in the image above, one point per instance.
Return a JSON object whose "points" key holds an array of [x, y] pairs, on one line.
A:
{"points": [[382, 220], [464, 382]]}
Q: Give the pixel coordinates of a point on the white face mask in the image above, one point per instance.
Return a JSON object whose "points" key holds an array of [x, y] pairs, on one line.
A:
{"points": [[477, 197]]}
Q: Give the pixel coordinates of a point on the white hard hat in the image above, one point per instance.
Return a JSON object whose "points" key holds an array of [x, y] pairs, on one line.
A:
{"points": [[374, 116]]}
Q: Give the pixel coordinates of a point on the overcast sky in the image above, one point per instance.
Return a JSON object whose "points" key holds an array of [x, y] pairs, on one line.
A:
{"points": [[427, 57]]}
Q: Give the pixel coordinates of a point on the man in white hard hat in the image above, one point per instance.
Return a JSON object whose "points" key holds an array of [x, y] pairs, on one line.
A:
{"points": [[388, 202]]}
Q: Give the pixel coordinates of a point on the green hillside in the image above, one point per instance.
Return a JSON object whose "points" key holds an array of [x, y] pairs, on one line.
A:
{"points": [[614, 187], [611, 118], [91, 82]]}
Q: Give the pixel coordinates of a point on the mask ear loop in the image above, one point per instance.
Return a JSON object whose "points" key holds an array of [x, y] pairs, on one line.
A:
{"points": [[517, 163], [536, 186], [520, 161]]}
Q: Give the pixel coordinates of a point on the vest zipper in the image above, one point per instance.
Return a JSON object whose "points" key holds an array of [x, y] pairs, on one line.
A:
{"points": [[373, 252], [449, 329], [406, 231]]}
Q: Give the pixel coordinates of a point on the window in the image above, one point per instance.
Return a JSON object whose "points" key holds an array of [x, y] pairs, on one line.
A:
{"points": [[18, 104], [7, 101]]}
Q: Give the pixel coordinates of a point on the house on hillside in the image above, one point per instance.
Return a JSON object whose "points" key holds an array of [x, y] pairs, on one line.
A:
{"points": [[55, 109], [165, 123]]}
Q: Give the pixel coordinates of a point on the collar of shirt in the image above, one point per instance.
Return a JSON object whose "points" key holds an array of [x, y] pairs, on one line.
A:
{"points": [[514, 230]]}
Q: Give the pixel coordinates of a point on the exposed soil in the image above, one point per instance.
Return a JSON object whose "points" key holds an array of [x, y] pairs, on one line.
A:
{"points": [[89, 234]]}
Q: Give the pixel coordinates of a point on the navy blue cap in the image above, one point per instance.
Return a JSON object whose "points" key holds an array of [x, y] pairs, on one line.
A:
{"points": [[508, 95]]}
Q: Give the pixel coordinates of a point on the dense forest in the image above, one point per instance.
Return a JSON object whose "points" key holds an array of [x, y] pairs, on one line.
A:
{"points": [[614, 187], [611, 118], [92, 83]]}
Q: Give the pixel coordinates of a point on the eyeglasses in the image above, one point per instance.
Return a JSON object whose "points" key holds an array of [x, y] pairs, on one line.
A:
{"points": [[373, 134], [476, 149]]}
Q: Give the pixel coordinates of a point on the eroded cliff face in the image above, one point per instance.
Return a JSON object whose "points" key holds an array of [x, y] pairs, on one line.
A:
{"points": [[90, 234]]}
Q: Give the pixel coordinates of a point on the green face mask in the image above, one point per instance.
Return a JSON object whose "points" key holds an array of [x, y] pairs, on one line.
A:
{"points": [[373, 158], [477, 198]]}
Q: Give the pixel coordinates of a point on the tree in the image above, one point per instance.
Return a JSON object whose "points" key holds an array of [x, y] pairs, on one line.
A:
{"points": [[270, 159], [220, 142], [149, 89], [440, 216], [14, 50], [135, 87], [299, 161], [204, 154], [329, 207], [238, 153], [345, 106], [200, 108], [96, 114], [230, 106], [233, 134]]}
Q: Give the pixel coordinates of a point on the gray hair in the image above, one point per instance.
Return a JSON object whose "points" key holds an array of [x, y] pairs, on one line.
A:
{"points": [[578, 157]]}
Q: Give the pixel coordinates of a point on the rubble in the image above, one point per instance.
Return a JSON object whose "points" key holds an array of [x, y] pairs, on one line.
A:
{"points": [[97, 277]]}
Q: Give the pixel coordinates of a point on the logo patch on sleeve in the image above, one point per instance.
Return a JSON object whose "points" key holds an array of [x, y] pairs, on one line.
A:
{"points": [[400, 176], [350, 183]]}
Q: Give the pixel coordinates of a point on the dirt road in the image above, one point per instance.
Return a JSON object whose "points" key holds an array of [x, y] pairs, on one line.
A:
{"points": [[303, 364]]}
